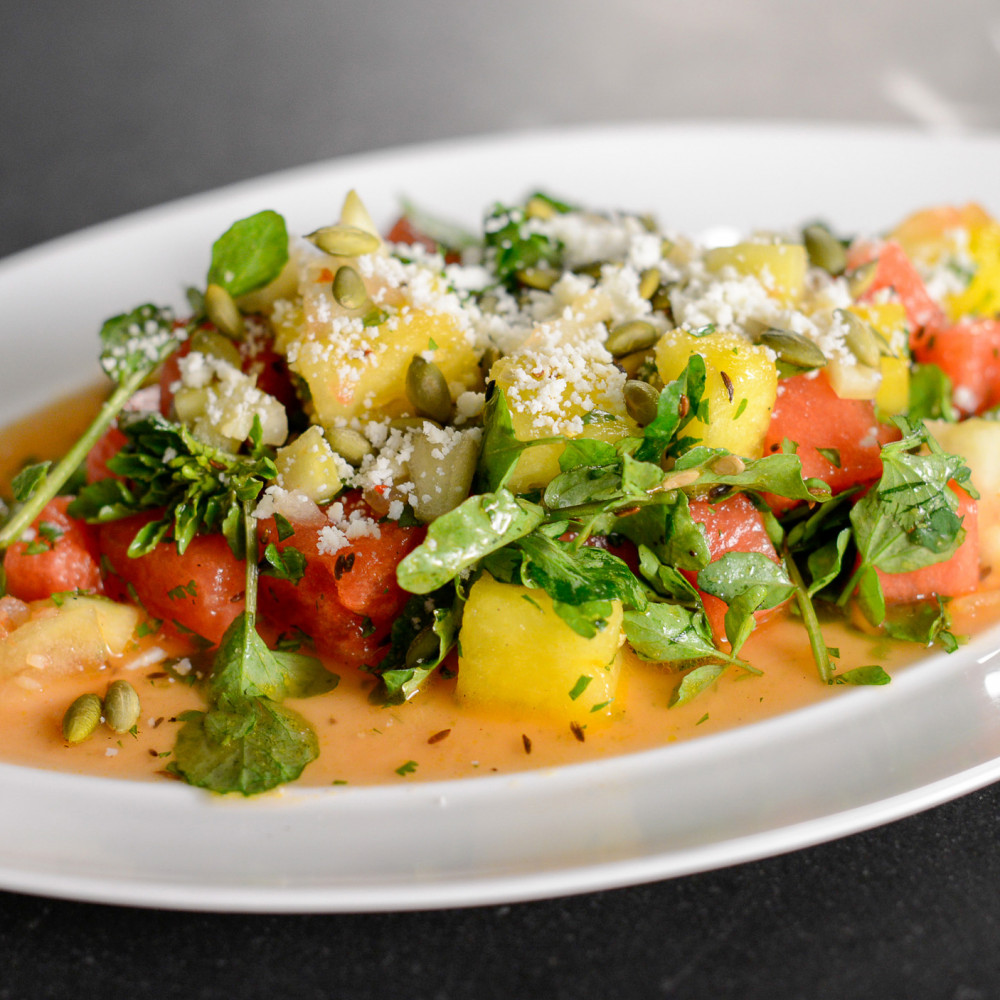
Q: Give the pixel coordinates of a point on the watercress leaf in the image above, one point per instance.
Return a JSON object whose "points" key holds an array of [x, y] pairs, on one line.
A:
{"points": [[578, 575], [667, 527], [739, 619], [909, 519], [667, 580], [695, 681], [501, 447], [780, 474], [285, 564], [871, 600], [583, 485], [512, 245], [682, 395], [587, 619], [402, 682], [459, 539], [249, 747], [862, 676], [250, 254], [587, 452], [930, 394], [137, 341], [925, 622], [24, 484], [668, 633], [826, 562], [733, 573]]}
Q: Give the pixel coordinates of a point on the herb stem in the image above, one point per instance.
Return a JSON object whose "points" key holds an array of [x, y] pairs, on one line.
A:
{"points": [[816, 641], [56, 478]]}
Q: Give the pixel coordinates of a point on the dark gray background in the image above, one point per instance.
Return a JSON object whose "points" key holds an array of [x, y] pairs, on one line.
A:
{"points": [[114, 106]]}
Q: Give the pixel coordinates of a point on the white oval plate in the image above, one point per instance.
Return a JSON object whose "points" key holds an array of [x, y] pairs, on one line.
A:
{"points": [[821, 772]]}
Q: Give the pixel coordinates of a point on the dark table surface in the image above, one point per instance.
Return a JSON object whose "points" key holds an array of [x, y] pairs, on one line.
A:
{"points": [[114, 106]]}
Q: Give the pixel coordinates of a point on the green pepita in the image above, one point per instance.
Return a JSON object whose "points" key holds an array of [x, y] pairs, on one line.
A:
{"points": [[792, 349], [423, 649], [410, 423], [641, 401], [860, 338], [862, 278], [427, 389], [222, 310], [350, 444], [349, 288], [215, 345], [541, 278], [824, 249], [81, 718], [121, 707], [649, 282], [345, 241], [627, 338]]}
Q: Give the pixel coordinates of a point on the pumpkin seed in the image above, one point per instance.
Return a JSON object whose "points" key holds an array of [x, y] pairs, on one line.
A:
{"points": [[222, 310], [660, 301], [593, 270], [345, 241], [350, 444], [349, 288], [542, 278], [423, 649], [490, 357], [641, 401], [353, 213], [728, 465], [81, 718], [792, 349], [427, 389], [824, 249], [634, 335], [862, 278], [860, 338], [215, 345], [539, 208], [410, 423], [121, 707], [440, 485], [649, 281]]}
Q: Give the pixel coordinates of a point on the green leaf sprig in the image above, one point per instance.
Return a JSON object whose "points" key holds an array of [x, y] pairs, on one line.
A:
{"points": [[248, 741], [132, 346]]}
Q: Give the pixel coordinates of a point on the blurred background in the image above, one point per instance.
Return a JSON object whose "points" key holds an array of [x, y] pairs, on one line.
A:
{"points": [[118, 105]]}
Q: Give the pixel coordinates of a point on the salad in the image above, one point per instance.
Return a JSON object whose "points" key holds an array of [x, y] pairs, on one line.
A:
{"points": [[510, 464]]}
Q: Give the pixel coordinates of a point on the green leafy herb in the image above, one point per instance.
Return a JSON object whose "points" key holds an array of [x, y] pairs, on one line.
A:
{"points": [[909, 519], [512, 245], [250, 254], [501, 448], [930, 394], [456, 541], [862, 676], [695, 681], [248, 741], [133, 344], [191, 485], [285, 564]]}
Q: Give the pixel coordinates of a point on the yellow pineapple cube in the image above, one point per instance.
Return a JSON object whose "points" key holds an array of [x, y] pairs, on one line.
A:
{"points": [[780, 267], [555, 389], [354, 360], [516, 653], [893, 394], [309, 465], [741, 387]]}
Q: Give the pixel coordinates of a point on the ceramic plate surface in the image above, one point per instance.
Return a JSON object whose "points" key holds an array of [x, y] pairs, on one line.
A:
{"points": [[821, 772]]}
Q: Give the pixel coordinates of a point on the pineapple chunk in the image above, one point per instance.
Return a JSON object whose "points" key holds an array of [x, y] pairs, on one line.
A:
{"points": [[553, 388], [893, 395], [737, 420], [780, 267], [80, 635], [309, 465], [978, 442], [516, 653]]}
